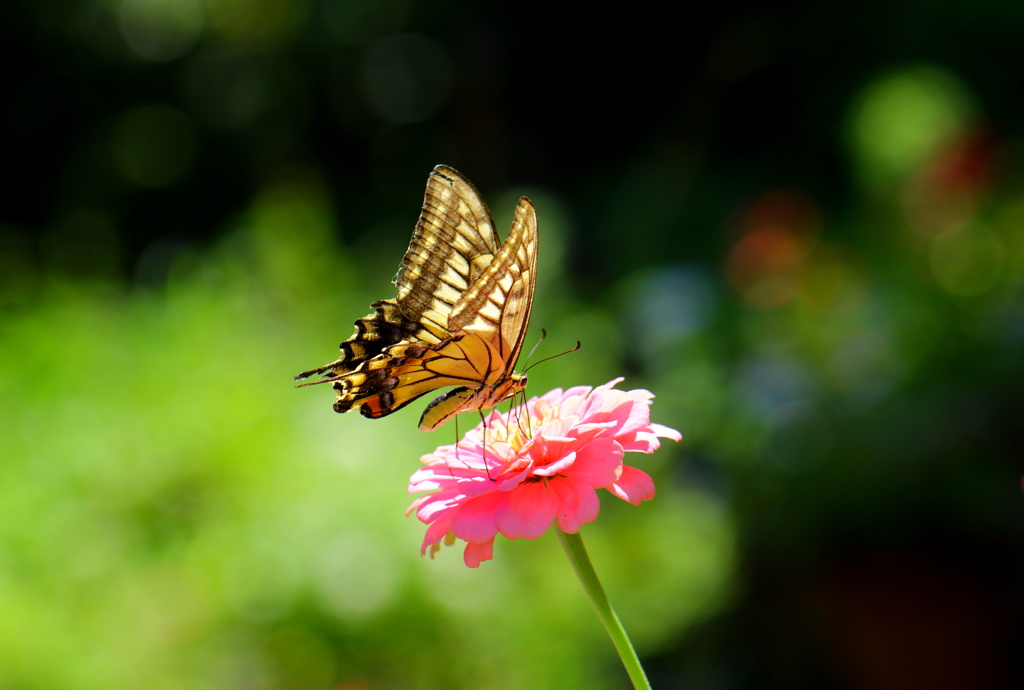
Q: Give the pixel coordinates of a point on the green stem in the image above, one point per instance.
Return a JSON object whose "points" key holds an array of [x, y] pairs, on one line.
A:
{"points": [[577, 553]]}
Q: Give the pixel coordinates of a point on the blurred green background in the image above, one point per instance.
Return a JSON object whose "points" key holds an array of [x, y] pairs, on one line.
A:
{"points": [[801, 226]]}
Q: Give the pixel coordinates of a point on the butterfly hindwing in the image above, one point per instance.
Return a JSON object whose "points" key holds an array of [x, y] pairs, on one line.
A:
{"points": [[497, 306], [386, 326]]}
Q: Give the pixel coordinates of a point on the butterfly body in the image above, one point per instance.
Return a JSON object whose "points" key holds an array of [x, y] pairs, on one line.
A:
{"points": [[459, 318]]}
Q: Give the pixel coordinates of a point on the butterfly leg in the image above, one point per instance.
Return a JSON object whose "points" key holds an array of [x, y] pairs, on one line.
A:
{"points": [[452, 475], [483, 423], [528, 431]]}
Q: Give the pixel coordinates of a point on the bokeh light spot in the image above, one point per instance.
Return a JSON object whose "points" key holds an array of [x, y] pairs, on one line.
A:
{"points": [[967, 263], [256, 21], [160, 30], [663, 307], [767, 265], [769, 382], [943, 195], [901, 120], [154, 145], [834, 284]]}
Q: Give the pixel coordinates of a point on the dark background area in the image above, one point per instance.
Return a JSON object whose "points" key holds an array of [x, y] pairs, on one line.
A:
{"points": [[722, 150]]}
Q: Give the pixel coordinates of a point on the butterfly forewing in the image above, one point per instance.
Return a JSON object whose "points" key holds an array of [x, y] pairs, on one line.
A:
{"points": [[453, 242]]}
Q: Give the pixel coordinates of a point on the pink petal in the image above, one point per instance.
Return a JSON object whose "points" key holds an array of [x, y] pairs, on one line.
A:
{"points": [[513, 480], [552, 397], [477, 551], [417, 503], [546, 449], [665, 432], [639, 417], [558, 467], [639, 442], [611, 384], [645, 440], [578, 503], [476, 486], [573, 399], [615, 406], [475, 519], [557, 428], [598, 462], [438, 503], [528, 513], [634, 486], [584, 432], [484, 485], [435, 533]]}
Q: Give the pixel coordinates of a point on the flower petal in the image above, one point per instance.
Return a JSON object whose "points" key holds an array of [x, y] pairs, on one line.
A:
{"points": [[438, 503], [598, 462], [477, 551], [546, 449], [639, 442], [500, 478], [634, 486], [435, 533], [558, 467], [578, 503], [529, 511], [475, 519], [665, 432], [639, 417]]}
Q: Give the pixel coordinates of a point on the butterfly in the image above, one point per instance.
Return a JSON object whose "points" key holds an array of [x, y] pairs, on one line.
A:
{"points": [[459, 319]]}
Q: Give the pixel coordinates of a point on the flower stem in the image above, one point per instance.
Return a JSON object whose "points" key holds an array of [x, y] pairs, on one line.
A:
{"points": [[577, 553]]}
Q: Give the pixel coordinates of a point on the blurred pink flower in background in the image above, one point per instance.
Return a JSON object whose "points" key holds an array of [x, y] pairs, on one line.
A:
{"points": [[543, 462]]}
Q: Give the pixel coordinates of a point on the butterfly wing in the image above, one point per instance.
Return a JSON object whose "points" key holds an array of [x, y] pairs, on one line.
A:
{"points": [[407, 348], [453, 242], [491, 317], [374, 333], [497, 306], [452, 245], [398, 376]]}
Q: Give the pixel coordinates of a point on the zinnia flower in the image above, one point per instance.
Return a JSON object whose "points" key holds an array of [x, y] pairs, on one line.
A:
{"points": [[518, 471]]}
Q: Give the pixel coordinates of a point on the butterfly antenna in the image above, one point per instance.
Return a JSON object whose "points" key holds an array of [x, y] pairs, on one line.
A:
{"points": [[553, 356], [543, 335]]}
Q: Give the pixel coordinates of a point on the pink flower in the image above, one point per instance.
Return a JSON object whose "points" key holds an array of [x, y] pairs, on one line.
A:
{"points": [[542, 461]]}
